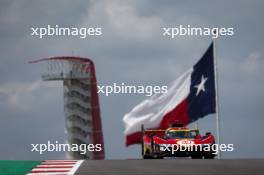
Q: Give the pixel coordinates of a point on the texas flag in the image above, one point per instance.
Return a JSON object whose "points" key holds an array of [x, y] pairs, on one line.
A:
{"points": [[190, 97]]}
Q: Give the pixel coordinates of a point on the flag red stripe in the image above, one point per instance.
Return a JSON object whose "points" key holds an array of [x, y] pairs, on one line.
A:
{"points": [[179, 114]]}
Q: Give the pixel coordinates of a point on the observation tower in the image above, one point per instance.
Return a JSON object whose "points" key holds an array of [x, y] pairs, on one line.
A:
{"points": [[81, 102]]}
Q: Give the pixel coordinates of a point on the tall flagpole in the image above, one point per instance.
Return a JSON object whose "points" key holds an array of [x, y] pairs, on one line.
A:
{"points": [[216, 98]]}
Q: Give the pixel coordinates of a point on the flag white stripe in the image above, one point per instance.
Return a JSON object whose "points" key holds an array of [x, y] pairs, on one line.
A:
{"points": [[151, 111]]}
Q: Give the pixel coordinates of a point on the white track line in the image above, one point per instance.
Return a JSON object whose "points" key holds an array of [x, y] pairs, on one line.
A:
{"points": [[75, 168], [46, 174], [56, 167]]}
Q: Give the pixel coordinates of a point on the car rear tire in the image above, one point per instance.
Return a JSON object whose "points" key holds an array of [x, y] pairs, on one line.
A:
{"points": [[147, 157]]}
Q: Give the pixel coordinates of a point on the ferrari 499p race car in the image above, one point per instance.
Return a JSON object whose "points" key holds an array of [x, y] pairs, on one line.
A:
{"points": [[177, 141]]}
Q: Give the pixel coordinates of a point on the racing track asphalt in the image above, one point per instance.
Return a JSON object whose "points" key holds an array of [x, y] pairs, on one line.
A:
{"points": [[172, 166]]}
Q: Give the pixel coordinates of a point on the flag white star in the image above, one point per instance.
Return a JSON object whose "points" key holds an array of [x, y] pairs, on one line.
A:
{"points": [[200, 87]]}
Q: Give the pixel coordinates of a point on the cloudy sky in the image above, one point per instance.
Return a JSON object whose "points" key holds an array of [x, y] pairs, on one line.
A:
{"points": [[131, 50]]}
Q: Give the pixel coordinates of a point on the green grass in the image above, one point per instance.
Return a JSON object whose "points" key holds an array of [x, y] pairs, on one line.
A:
{"points": [[13, 167]]}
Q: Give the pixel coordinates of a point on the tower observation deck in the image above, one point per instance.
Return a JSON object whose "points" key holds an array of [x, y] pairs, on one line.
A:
{"points": [[81, 102]]}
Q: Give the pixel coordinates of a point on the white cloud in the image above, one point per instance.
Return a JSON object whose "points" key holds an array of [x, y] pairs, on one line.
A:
{"points": [[120, 18], [253, 63], [26, 96]]}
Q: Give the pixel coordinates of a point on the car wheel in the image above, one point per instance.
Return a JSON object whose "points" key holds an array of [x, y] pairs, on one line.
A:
{"points": [[147, 156]]}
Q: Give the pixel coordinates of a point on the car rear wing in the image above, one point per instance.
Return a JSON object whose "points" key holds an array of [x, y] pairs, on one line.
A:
{"points": [[158, 132]]}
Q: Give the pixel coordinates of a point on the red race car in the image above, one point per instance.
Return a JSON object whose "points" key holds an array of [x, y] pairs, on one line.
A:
{"points": [[177, 141]]}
